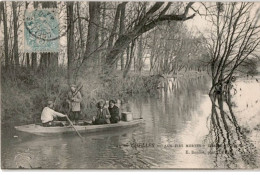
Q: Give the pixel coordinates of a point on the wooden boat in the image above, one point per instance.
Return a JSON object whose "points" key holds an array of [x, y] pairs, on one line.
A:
{"points": [[40, 130]]}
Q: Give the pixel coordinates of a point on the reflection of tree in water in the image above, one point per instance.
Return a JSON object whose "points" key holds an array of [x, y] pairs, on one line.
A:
{"points": [[183, 98], [175, 103], [229, 143]]}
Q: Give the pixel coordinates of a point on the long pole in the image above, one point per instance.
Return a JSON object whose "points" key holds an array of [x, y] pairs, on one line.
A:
{"points": [[70, 120], [74, 127]]}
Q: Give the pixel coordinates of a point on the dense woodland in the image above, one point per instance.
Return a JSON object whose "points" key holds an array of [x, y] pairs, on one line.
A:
{"points": [[117, 49]]}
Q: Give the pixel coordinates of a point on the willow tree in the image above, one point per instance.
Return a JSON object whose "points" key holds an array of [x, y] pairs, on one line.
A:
{"points": [[235, 38]]}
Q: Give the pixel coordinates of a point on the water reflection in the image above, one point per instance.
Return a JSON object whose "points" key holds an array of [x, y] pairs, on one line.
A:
{"points": [[177, 115], [229, 144]]}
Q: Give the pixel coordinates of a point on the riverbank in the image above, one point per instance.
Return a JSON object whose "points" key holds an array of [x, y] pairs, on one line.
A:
{"points": [[25, 95]]}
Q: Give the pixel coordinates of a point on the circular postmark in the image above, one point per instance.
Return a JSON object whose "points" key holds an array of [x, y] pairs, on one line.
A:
{"points": [[41, 30]]}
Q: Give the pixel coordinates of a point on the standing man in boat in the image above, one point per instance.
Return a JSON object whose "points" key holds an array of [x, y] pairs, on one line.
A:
{"points": [[114, 112], [74, 99], [48, 115]]}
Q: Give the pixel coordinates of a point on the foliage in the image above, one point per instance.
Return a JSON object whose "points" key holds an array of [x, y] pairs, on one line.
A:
{"points": [[174, 48], [24, 96]]}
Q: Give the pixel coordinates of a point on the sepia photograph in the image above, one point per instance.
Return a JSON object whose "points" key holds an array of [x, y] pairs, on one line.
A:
{"points": [[123, 85]]}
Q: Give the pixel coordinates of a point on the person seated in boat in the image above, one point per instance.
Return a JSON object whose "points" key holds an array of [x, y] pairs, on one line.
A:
{"points": [[74, 99], [48, 115], [103, 115], [114, 112]]}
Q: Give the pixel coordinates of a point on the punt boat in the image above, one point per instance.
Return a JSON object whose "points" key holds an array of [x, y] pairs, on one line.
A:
{"points": [[40, 130]]}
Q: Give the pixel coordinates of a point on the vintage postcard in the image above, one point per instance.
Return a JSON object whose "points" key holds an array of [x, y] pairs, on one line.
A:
{"points": [[130, 85]]}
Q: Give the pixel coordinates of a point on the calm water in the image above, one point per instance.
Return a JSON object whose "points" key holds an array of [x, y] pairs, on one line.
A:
{"points": [[183, 129]]}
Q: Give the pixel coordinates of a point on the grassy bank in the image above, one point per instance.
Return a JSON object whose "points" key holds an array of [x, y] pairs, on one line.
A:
{"points": [[25, 94]]}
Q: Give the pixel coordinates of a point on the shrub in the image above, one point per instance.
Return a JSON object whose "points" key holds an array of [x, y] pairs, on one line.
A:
{"points": [[25, 95]]}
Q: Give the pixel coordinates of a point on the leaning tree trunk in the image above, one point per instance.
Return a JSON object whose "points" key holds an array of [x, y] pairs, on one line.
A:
{"points": [[114, 29], [148, 21]]}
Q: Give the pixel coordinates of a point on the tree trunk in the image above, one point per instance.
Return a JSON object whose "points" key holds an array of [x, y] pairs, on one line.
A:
{"points": [[28, 60], [114, 28], [122, 30], [70, 40], [129, 61], [140, 55], [1, 9], [5, 34], [34, 61], [113, 33], [44, 61], [15, 20], [90, 52], [103, 22], [79, 25], [27, 54], [102, 35], [34, 55], [97, 34]]}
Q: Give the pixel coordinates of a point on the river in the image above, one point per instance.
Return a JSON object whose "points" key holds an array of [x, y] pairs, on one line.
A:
{"points": [[183, 128]]}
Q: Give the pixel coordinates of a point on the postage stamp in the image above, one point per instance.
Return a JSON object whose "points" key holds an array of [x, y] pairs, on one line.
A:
{"points": [[41, 30]]}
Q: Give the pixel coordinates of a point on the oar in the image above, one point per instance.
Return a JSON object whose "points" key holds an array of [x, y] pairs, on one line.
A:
{"points": [[74, 127]]}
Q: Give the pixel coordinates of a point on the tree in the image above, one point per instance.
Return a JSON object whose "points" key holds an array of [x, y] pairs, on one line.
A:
{"points": [[174, 48], [3, 10], [234, 39], [122, 30], [70, 39], [34, 55], [129, 60], [15, 20], [114, 29], [27, 54], [155, 15], [92, 39]]}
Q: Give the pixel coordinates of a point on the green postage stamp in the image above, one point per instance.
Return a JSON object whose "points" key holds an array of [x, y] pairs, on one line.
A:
{"points": [[41, 30]]}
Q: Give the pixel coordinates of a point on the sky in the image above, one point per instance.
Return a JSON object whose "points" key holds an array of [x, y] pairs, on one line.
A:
{"points": [[199, 23]]}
